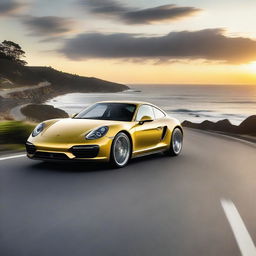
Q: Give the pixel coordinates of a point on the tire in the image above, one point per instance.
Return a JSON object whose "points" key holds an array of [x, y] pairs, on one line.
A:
{"points": [[120, 150], [176, 142]]}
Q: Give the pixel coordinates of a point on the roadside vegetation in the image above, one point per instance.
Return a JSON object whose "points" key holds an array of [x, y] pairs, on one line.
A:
{"points": [[13, 134]]}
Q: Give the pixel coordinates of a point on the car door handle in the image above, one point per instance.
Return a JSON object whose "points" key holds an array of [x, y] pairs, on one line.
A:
{"points": [[159, 128]]}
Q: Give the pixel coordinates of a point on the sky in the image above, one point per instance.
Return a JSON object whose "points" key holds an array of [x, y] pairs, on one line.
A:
{"points": [[133, 42]]}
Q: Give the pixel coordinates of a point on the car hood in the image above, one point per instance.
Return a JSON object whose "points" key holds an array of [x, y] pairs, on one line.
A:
{"points": [[70, 129]]}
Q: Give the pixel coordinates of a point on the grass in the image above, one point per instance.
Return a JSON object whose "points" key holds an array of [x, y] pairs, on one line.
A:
{"points": [[14, 133], [4, 148]]}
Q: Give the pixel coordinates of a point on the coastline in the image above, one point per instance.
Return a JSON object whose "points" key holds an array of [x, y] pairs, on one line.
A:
{"points": [[12, 103], [12, 100], [20, 85]]}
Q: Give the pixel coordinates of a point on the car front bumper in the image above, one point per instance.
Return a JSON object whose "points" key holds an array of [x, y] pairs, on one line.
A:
{"points": [[99, 151]]}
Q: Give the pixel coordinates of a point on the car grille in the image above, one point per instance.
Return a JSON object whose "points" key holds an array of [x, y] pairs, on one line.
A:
{"points": [[31, 149], [50, 155], [85, 151]]}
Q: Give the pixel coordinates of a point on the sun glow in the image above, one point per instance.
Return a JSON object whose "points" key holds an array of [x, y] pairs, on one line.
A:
{"points": [[252, 67]]}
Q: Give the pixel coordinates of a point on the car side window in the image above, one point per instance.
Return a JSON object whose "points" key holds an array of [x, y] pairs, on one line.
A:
{"points": [[145, 110], [158, 113]]}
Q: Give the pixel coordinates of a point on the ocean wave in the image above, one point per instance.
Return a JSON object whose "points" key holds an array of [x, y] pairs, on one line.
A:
{"points": [[184, 110], [235, 102]]}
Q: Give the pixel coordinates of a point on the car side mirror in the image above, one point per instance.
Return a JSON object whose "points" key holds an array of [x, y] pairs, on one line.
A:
{"points": [[145, 119], [73, 115]]}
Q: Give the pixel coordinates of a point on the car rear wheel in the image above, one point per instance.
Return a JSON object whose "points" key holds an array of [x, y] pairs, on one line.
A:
{"points": [[176, 142], [121, 150]]}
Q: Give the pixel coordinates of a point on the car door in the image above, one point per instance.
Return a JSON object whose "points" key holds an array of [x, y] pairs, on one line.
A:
{"points": [[147, 134], [160, 122]]}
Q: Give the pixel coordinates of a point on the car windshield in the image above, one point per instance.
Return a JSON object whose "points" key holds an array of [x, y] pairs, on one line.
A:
{"points": [[109, 111]]}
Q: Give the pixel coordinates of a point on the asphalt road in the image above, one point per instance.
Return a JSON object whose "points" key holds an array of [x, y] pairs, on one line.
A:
{"points": [[155, 206]]}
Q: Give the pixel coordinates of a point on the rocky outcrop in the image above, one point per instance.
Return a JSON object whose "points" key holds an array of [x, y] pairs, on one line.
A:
{"points": [[248, 126], [222, 125], [41, 112]]}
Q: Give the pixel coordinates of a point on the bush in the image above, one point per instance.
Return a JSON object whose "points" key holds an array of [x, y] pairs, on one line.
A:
{"points": [[14, 132]]}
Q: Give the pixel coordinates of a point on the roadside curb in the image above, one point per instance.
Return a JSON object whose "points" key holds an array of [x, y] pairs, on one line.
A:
{"points": [[227, 136]]}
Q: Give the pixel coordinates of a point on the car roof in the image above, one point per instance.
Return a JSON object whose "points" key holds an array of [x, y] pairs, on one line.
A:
{"points": [[137, 103], [127, 102]]}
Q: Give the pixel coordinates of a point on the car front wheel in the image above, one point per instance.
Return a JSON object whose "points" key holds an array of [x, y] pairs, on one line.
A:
{"points": [[121, 150]]}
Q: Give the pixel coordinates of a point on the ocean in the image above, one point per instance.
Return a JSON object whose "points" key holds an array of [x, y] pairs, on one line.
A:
{"points": [[185, 102]]}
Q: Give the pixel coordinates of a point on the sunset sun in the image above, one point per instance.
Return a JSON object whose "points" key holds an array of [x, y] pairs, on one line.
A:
{"points": [[252, 66]]}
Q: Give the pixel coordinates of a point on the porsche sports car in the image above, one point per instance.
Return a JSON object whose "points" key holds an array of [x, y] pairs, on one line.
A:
{"points": [[111, 131]]}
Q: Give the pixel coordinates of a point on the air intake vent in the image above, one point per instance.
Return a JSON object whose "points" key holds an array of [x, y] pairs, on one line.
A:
{"points": [[31, 149], [164, 132], [50, 155], [85, 151]]}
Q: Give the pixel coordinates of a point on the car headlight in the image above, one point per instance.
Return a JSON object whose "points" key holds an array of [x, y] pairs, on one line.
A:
{"points": [[97, 133], [39, 128]]}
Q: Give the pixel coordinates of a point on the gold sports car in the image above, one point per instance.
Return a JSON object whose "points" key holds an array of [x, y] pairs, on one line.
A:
{"points": [[111, 131]]}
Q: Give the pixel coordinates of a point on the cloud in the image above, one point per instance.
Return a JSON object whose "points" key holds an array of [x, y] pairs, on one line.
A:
{"points": [[9, 7], [137, 16], [157, 14], [103, 6], [48, 25], [208, 44]]}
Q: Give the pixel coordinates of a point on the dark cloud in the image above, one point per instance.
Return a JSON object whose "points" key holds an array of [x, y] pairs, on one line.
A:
{"points": [[48, 25], [8, 7], [103, 6], [137, 16], [208, 44], [157, 14]]}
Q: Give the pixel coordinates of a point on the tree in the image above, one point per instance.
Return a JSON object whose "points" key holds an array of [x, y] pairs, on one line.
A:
{"points": [[2, 54], [12, 51]]}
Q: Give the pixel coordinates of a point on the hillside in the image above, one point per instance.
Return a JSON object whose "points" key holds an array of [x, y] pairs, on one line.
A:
{"points": [[14, 75], [25, 85], [17, 74]]}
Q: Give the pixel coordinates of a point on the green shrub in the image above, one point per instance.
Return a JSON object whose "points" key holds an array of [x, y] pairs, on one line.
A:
{"points": [[14, 132]]}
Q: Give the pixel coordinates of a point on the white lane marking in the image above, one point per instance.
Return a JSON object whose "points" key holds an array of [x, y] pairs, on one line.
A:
{"points": [[241, 234], [11, 157]]}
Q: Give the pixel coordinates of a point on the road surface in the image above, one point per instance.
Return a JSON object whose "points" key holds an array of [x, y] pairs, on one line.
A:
{"points": [[200, 203]]}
